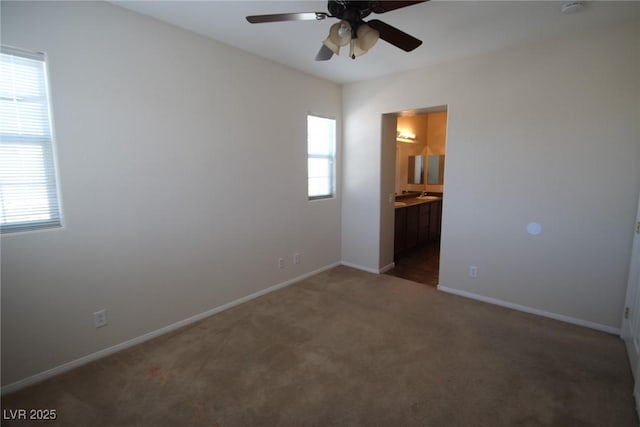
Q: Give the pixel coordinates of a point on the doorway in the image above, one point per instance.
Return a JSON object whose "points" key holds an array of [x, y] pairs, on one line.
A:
{"points": [[631, 319], [419, 144]]}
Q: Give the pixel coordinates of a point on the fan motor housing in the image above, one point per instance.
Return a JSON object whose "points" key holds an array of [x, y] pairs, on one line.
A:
{"points": [[350, 11]]}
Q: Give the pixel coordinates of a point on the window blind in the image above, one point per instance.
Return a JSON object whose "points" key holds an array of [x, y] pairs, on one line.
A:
{"points": [[28, 189], [321, 140]]}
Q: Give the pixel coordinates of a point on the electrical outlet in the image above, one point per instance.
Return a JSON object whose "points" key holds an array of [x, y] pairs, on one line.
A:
{"points": [[473, 271], [296, 258], [100, 318], [280, 263]]}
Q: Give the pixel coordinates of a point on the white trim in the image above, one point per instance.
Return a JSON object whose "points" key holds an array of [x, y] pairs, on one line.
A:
{"points": [[523, 308], [360, 267], [10, 388], [387, 267]]}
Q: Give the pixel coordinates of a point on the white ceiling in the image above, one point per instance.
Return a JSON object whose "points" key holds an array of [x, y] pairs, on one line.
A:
{"points": [[449, 30]]}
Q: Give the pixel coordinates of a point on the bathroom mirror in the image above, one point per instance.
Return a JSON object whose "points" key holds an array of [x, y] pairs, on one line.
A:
{"points": [[435, 170], [416, 170]]}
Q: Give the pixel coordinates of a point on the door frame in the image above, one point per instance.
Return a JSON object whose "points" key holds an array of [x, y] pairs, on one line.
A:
{"points": [[630, 331], [389, 122]]}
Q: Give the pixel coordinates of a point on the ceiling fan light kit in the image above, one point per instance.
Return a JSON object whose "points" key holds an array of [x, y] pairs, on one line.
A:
{"points": [[367, 37], [339, 35], [352, 29]]}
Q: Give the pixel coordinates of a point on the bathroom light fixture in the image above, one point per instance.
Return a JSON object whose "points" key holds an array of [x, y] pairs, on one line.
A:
{"points": [[405, 136]]}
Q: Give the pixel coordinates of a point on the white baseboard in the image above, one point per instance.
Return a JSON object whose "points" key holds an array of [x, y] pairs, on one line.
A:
{"points": [[518, 307], [387, 267], [10, 388], [368, 269], [361, 267]]}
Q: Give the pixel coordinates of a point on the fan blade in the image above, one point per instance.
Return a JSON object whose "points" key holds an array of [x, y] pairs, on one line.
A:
{"points": [[279, 17], [395, 36], [324, 54], [386, 6]]}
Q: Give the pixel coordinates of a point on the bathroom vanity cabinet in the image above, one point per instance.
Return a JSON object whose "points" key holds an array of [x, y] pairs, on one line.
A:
{"points": [[416, 223]]}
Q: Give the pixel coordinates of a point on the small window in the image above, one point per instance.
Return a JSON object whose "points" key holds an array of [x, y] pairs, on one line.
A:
{"points": [[28, 190], [321, 146]]}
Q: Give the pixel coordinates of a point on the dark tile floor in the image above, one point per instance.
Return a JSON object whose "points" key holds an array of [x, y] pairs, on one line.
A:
{"points": [[420, 264]]}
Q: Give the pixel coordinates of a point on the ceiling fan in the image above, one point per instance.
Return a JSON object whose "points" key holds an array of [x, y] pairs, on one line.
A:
{"points": [[352, 30]]}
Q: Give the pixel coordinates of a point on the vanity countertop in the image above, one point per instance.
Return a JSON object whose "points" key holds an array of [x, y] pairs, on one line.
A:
{"points": [[412, 201]]}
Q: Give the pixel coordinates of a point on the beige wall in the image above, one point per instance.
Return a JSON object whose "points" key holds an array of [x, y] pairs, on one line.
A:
{"points": [[437, 133], [545, 133], [174, 203]]}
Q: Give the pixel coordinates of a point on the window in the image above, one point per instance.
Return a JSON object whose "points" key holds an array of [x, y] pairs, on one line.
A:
{"points": [[28, 191], [321, 144]]}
